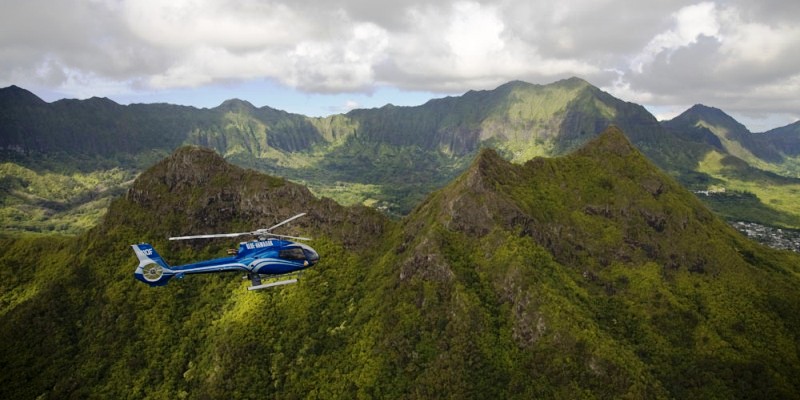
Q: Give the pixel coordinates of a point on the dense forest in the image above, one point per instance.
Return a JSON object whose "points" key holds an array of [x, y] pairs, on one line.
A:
{"points": [[590, 275]]}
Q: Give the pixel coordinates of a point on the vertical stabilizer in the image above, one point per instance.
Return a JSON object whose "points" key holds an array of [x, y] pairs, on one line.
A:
{"points": [[152, 269]]}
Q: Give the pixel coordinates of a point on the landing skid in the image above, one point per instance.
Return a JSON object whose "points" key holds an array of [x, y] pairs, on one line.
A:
{"points": [[255, 279], [268, 285]]}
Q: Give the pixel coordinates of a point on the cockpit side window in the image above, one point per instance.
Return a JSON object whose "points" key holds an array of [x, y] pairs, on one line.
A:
{"points": [[292, 254]]}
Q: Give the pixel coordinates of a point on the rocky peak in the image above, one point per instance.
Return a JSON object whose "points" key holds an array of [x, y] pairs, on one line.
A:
{"points": [[487, 164], [191, 166], [196, 190]]}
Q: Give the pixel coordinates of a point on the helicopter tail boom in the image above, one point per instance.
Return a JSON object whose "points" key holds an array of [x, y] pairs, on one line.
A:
{"points": [[152, 269]]}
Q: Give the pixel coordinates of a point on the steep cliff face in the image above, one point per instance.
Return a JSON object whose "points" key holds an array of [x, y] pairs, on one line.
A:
{"points": [[196, 190]]}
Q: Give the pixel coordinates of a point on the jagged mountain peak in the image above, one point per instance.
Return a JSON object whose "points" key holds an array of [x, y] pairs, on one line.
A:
{"points": [[573, 81], [563, 202], [702, 108], [713, 126], [192, 164], [208, 193], [188, 168], [568, 83], [480, 197], [714, 113], [486, 161], [196, 190]]}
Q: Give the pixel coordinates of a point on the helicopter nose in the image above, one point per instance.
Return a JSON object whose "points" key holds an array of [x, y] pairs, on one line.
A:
{"points": [[311, 256]]}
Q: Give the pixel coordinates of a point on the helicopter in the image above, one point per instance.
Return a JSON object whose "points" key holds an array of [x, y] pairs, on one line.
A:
{"points": [[271, 255]]}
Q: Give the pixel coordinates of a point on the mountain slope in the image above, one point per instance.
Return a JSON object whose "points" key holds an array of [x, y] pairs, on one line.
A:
{"points": [[600, 259], [79, 296], [592, 275]]}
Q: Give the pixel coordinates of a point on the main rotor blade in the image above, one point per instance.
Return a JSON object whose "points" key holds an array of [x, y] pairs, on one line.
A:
{"points": [[256, 232], [289, 237], [285, 221], [215, 235]]}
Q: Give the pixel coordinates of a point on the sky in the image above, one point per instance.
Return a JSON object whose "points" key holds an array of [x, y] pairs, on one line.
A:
{"points": [[322, 57]]}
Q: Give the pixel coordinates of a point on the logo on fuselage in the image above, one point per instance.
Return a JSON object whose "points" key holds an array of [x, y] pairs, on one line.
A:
{"points": [[258, 245]]}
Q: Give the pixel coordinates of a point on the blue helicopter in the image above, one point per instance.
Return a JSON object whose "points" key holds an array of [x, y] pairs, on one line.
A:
{"points": [[270, 255]]}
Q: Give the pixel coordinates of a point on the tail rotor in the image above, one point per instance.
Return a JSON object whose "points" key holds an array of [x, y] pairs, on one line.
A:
{"points": [[152, 269]]}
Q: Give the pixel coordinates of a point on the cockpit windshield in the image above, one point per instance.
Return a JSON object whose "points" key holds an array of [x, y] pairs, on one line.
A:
{"points": [[300, 253], [311, 256]]}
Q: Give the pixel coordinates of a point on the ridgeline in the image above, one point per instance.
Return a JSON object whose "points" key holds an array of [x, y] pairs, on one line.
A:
{"points": [[64, 161]]}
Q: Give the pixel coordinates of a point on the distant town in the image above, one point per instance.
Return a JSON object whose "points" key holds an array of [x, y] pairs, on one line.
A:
{"points": [[777, 238]]}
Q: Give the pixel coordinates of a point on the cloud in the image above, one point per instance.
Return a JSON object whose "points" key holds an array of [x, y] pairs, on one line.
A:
{"points": [[691, 22], [734, 54], [719, 55]]}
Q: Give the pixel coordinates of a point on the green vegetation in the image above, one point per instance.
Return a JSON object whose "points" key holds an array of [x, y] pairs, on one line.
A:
{"points": [[587, 276]]}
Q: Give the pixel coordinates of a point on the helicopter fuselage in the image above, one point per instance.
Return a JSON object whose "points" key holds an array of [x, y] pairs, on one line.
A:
{"points": [[259, 257]]}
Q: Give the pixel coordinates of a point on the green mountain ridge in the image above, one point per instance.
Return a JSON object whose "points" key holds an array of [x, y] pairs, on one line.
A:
{"points": [[390, 158], [592, 275]]}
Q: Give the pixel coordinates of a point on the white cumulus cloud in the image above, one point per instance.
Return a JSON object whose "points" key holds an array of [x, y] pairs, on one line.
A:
{"points": [[741, 56]]}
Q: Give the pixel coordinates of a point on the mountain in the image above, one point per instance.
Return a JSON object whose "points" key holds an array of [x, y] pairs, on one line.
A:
{"points": [[611, 245], [725, 133], [65, 161], [752, 176], [590, 275]]}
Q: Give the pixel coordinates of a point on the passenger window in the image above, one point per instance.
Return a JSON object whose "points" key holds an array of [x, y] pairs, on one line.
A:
{"points": [[292, 254]]}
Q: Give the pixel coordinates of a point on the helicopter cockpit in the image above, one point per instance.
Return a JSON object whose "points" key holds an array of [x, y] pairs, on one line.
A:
{"points": [[301, 252]]}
